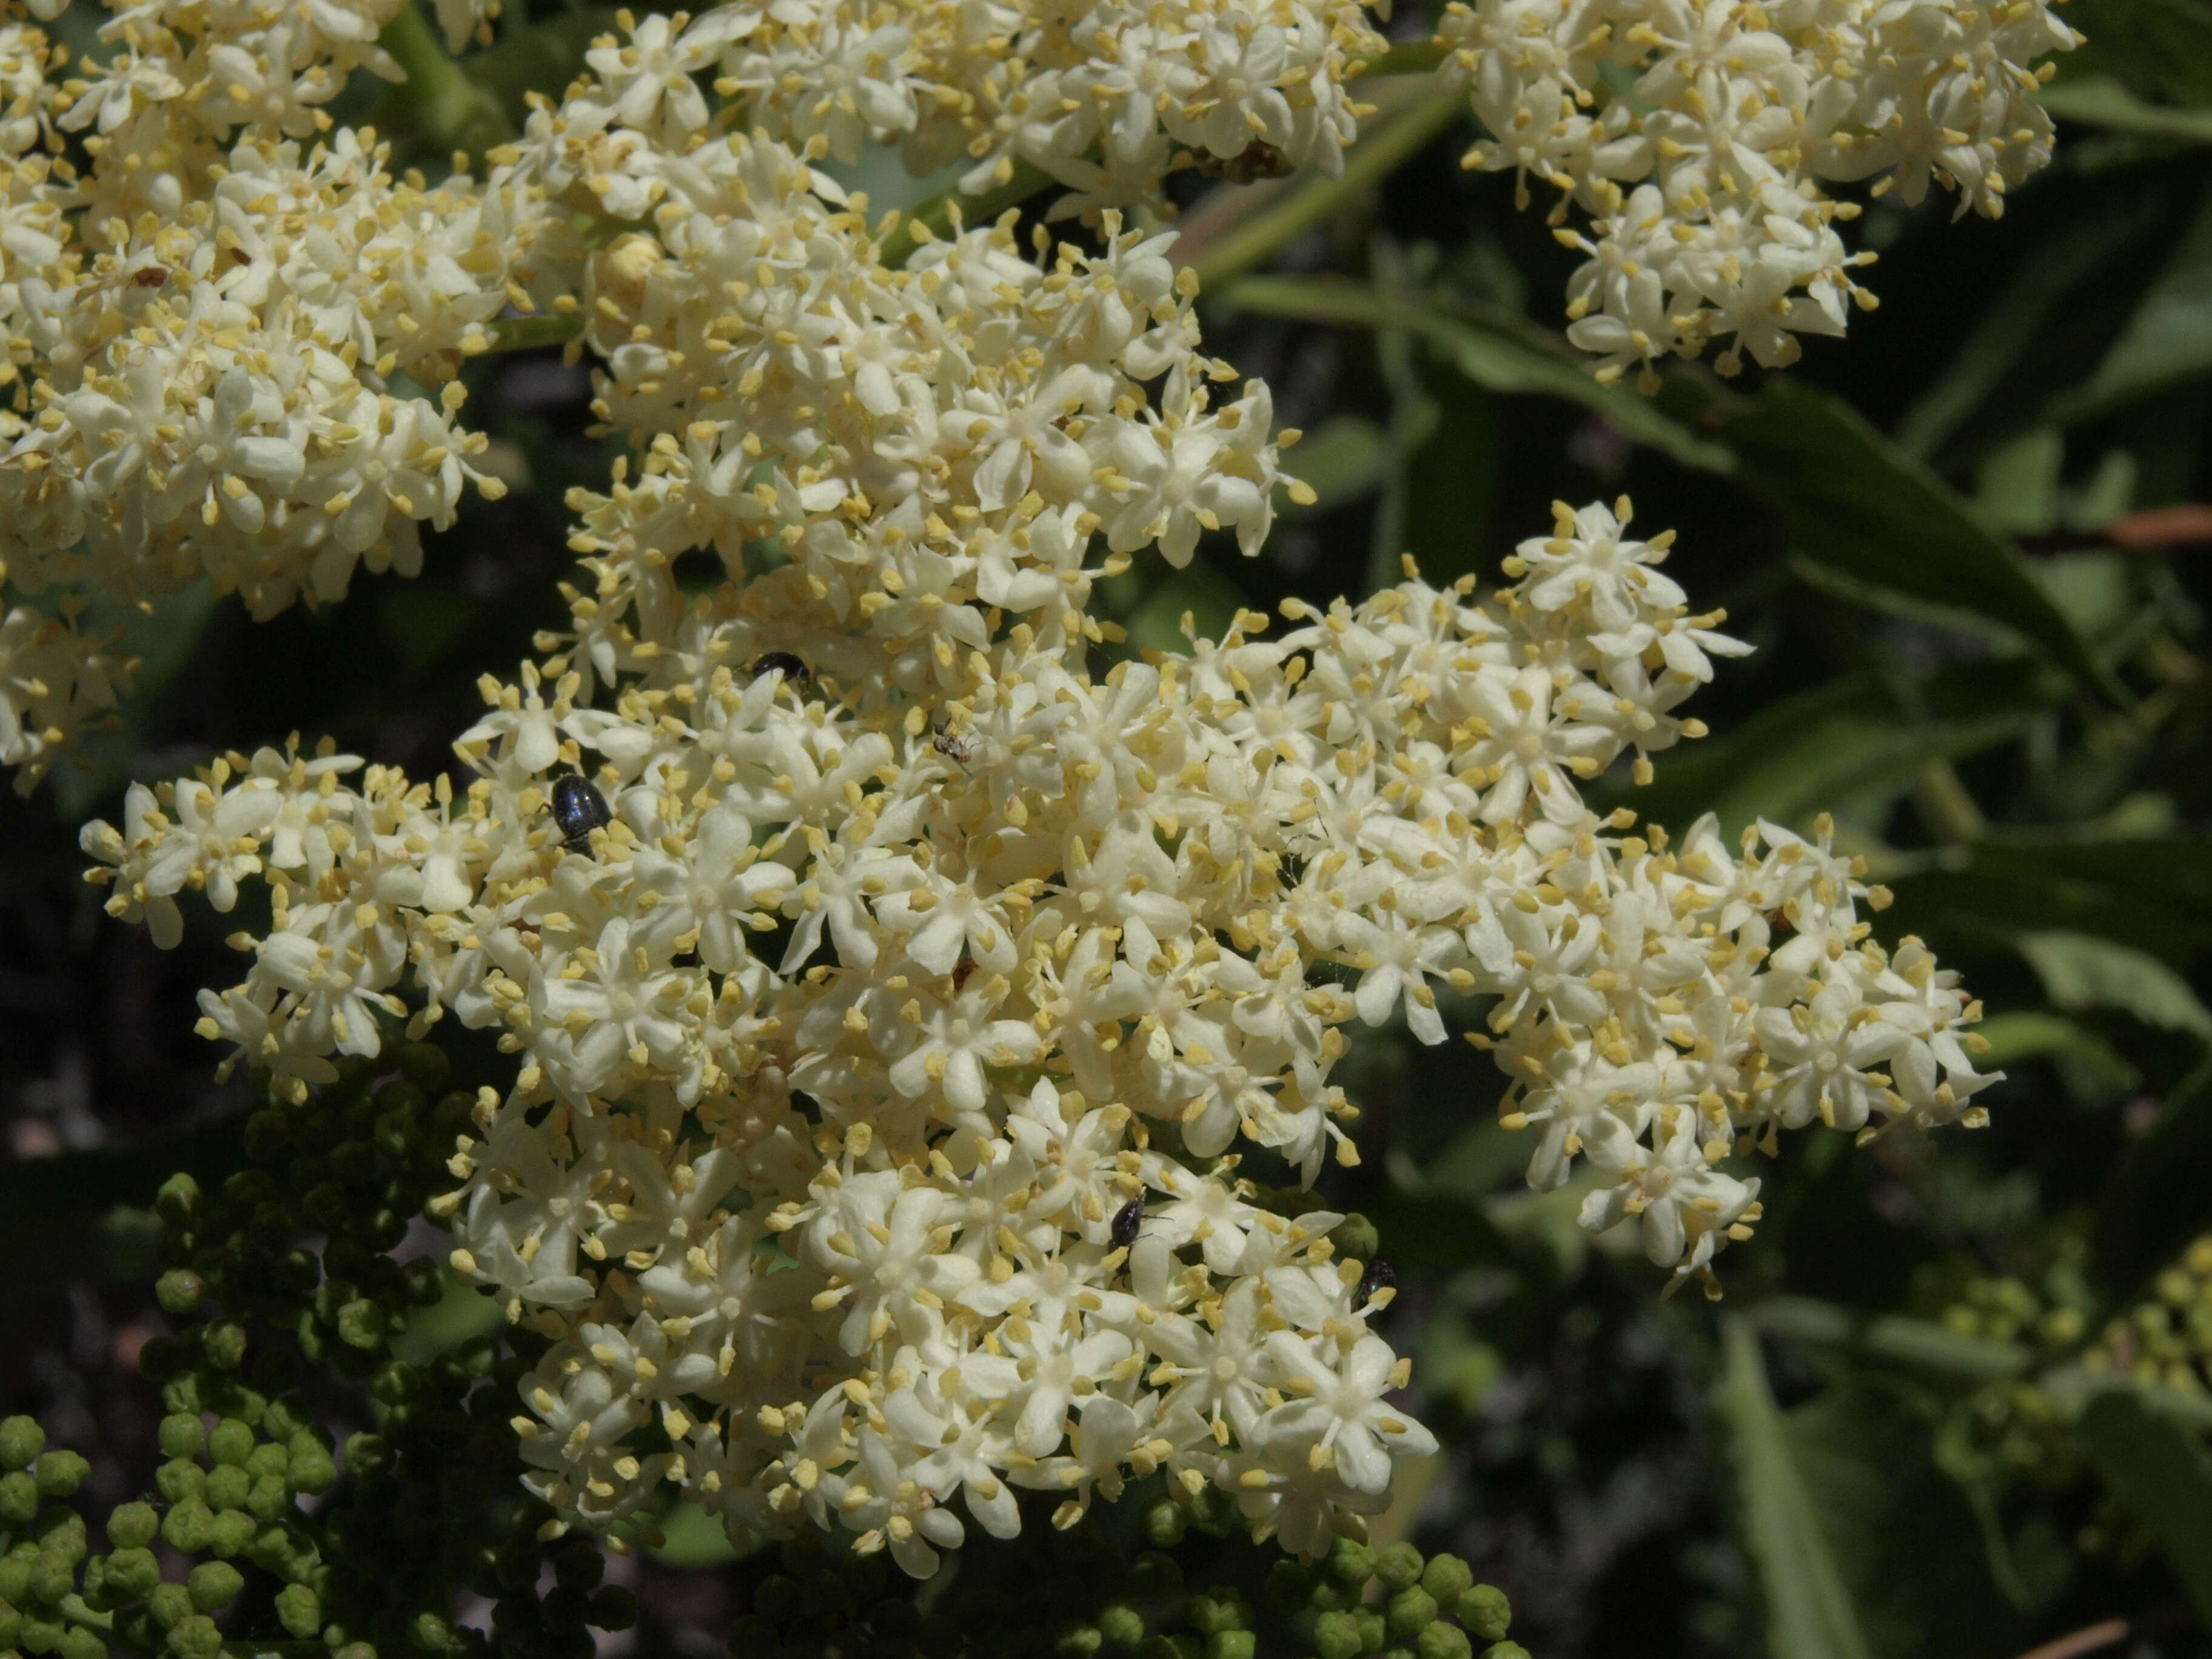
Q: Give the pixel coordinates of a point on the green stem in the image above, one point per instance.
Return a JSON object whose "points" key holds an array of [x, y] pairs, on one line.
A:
{"points": [[456, 113], [1407, 57], [937, 212], [1951, 813], [1376, 155], [547, 328], [74, 1609], [1888, 1336]]}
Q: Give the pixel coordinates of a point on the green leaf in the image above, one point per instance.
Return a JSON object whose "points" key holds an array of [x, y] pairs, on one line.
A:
{"points": [[2159, 48], [461, 1313], [2156, 1200], [1340, 460], [2081, 971], [1920, 1343], [2154, 894], [1452, 479], [1904, 1538], [1810, 1613], [2013, 330], [2093, 1069], [2103, 101], [162, 639], [1493, 347], [692, 1538], [544, 57], [1234, 230], [1803, 754], [2162, 1475], [1199, 591], [2168, 340], [1882, 528]]}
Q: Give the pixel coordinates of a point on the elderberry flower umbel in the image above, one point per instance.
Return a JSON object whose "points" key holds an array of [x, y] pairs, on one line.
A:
{"points": [[839, 1056], [879, 992], [219, 331]]}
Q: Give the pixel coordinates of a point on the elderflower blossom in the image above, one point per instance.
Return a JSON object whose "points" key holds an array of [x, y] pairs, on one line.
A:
{"points": [[1104, 98], [1703, 180], [844, 1048], [203, 327], [888, 1044]]}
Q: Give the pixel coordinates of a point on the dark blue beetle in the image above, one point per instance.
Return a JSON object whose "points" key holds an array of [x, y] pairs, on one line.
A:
{"points": [[1127, 1220], [1379, 1277], [579, 809], [793, 669]]}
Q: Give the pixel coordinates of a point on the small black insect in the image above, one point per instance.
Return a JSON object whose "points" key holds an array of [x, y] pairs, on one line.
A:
{"points": [[579, 809], [794, 668], [1257, 160], [1379, 1277], [1127, 1220]]}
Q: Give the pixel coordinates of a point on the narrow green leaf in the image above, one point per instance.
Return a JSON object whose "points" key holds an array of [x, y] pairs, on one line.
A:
{"points": [[1452, 479], [2168, 340], [690, 1537], [2081, 971], [1801, 756], [1810, 1615], [1199, 592], [2092, 1066], [2103, 101], [2155, 893], [1922, 1578], [2157, 48], [1917, 1342], [2156, 1200], [439, 107], [1887, 529], [1340, 460], [2013, 327], [545, 57], [2162, 1475], [1493, 349], [1223, 239]]}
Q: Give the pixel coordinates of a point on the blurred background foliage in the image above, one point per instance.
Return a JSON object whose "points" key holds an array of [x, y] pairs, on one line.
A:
{"points": [[1954, 1402]]}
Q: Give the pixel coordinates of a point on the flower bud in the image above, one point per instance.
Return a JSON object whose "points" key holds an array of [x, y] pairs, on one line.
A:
{"points": [[1412, 1611], [21, 1439], [214, 1585], [195, 1637], [300, 1611], [1336, 1636], [1485, 1611], [1398, 1564], [132, 1525], [132, 1572]]}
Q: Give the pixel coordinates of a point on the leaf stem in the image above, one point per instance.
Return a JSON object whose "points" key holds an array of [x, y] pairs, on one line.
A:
{"points": [[1407, 57], [1026, 181], [1889, 1336], [1310, 201], [456, 113]]}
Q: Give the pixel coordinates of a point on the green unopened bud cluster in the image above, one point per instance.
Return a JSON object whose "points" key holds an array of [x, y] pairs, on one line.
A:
{"points": [[2165, 1340], [1163, 1578], [286, 1265]]}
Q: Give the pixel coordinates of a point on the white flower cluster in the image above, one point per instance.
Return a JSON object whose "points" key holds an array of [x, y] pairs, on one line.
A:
{"points": [[894, 988], [885, 1035], [1104, 96], [1702, 178], [201, 327]]}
